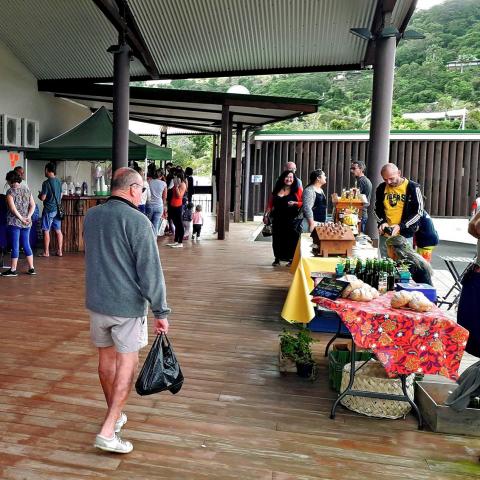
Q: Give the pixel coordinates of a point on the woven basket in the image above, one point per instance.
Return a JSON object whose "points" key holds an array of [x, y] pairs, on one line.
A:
{"points": [[373, 378]]}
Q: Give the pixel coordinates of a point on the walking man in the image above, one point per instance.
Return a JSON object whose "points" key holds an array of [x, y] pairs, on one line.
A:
{"points": [[51, 196], [398, 206], [123, 276], [365, 186]]}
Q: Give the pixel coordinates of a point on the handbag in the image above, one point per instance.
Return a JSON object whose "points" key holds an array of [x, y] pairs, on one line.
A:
{"points": [[299, 224], [267, 230], [60, 209], [161, 370]]}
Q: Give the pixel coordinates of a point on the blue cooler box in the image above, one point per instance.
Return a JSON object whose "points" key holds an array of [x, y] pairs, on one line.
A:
{"points": [[326, 320], [429, 291]]}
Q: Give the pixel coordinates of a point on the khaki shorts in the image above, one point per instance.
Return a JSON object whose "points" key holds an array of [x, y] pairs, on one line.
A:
{"points": [[128, 334]]}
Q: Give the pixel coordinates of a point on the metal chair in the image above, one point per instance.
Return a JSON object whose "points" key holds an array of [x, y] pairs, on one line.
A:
{"points": [[452, 297]]}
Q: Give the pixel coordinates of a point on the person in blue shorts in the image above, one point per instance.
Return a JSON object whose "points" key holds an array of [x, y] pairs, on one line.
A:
{"points": [[51, 196]]}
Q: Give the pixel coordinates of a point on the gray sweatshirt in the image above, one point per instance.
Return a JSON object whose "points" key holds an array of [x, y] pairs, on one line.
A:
{"points": [[123, 270]]}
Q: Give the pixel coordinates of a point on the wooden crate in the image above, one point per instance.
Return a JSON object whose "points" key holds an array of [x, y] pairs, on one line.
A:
{"points": [[339, 244]]}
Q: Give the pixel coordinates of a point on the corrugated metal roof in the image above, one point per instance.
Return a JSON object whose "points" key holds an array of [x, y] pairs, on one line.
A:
{"points": [[339, 135], [148, 129], [60, 38], [66, 39], [219, 35]]}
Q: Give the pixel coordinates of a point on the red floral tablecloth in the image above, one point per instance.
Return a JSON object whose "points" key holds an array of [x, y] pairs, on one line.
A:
{"points": [[404, 341]]}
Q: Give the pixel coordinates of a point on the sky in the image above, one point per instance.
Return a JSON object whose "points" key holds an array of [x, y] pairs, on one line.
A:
{"points": [[426, 4]]}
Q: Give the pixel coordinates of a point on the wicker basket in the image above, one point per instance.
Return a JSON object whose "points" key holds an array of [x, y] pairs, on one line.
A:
{"points": [[373, 378]]}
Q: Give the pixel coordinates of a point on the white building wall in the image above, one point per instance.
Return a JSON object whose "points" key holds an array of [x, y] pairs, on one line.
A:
{"points": [[20, 97]]}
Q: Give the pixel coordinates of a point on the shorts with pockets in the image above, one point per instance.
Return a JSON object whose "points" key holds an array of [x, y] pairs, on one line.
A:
{"points": [[50, 220], [127, 334]]}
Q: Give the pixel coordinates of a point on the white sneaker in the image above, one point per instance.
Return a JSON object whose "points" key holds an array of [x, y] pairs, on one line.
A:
{"points": [[172, 244], [122, 420], [114, 444], [178, 245]]}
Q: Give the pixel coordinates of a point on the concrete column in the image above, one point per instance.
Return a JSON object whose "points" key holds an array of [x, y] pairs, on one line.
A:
{"points": [[379, 147], [121, 100]]}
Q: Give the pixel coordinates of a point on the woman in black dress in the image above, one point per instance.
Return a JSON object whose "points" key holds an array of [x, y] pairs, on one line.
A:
{"points": [[283, 207]]}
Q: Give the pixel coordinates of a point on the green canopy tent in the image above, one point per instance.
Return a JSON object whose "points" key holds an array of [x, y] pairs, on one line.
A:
{"points": [[91, 140]]}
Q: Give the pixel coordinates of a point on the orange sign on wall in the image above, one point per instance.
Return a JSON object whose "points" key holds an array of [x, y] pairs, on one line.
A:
{"points": [[14, 158]]}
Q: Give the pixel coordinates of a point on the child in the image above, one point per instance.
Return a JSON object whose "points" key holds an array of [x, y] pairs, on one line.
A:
{"points": [[197, 222], [187, 219], [426, 237]]}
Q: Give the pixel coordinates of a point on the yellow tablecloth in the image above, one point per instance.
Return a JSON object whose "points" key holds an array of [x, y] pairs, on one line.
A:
{"points": [[298, 306]]}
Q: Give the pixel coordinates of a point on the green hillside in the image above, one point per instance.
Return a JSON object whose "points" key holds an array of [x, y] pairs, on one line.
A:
{"points": [[422, 81]]}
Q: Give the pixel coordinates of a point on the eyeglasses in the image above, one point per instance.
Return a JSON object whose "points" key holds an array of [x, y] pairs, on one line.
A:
{"points": [[137, 185]]}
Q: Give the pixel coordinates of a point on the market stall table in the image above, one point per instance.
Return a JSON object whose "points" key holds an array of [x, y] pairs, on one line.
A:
{"points": [[404, 341], [298, 306]]}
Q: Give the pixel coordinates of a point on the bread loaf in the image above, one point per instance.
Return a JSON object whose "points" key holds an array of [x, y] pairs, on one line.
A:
{"points": [[420, 303], [362, 294], [400, 299]]}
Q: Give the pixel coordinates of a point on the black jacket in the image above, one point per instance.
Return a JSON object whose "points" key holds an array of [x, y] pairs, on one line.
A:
{"points": [[412, 210]]}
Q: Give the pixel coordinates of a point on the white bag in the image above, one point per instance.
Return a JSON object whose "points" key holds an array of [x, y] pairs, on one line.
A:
{"points": [[161, 229]]}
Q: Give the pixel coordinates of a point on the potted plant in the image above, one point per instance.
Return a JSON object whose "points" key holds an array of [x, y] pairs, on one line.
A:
{"points": [[297, 348], [403, 272]]}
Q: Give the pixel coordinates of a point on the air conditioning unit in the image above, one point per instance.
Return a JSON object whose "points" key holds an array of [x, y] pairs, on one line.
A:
{"points": [[11, 129], [30, 133]]}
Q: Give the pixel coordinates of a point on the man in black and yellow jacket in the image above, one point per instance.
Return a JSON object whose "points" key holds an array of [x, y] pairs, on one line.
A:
{"points": [[398, 206]]}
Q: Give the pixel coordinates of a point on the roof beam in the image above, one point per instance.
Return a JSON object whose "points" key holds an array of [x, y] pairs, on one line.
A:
{"points": [[213, 131], [218, 111], [221, 73], [383, 7], [120, 16]]}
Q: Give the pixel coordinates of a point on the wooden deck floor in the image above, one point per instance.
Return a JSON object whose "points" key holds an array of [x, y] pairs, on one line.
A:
{"points": [[236, 417]]}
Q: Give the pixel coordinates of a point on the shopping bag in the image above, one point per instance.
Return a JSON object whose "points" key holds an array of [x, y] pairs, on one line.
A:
{"points": [[161, 228], [161, 370], [267, 231]]}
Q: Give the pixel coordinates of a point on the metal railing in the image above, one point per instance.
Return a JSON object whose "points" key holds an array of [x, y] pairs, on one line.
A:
{"points": [[203, 199]]}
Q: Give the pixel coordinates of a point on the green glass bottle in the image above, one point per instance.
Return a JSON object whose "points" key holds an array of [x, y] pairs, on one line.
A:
{"points": [[390, 277], [359, 269], [347, 268]]}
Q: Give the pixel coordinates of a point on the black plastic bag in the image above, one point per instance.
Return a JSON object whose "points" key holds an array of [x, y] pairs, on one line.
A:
{"points": [[161, 370]]}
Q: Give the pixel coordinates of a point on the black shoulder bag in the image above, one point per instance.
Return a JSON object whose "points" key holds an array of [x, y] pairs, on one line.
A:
{"points": [[60, 210]]}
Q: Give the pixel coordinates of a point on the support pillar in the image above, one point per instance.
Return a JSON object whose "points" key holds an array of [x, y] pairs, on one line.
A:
{"points": [[246, 177], [228, 180], [379, 147], [121, 100], [223, 205], [238, 173], [214, 172]]}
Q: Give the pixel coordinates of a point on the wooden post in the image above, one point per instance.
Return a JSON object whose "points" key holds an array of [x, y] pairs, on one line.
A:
{"points": [[238, 174], [222, 174], [228, 175], [246, 177]]}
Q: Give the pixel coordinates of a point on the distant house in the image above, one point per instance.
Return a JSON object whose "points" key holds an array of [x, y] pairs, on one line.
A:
{"points": [[462, 64]]}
